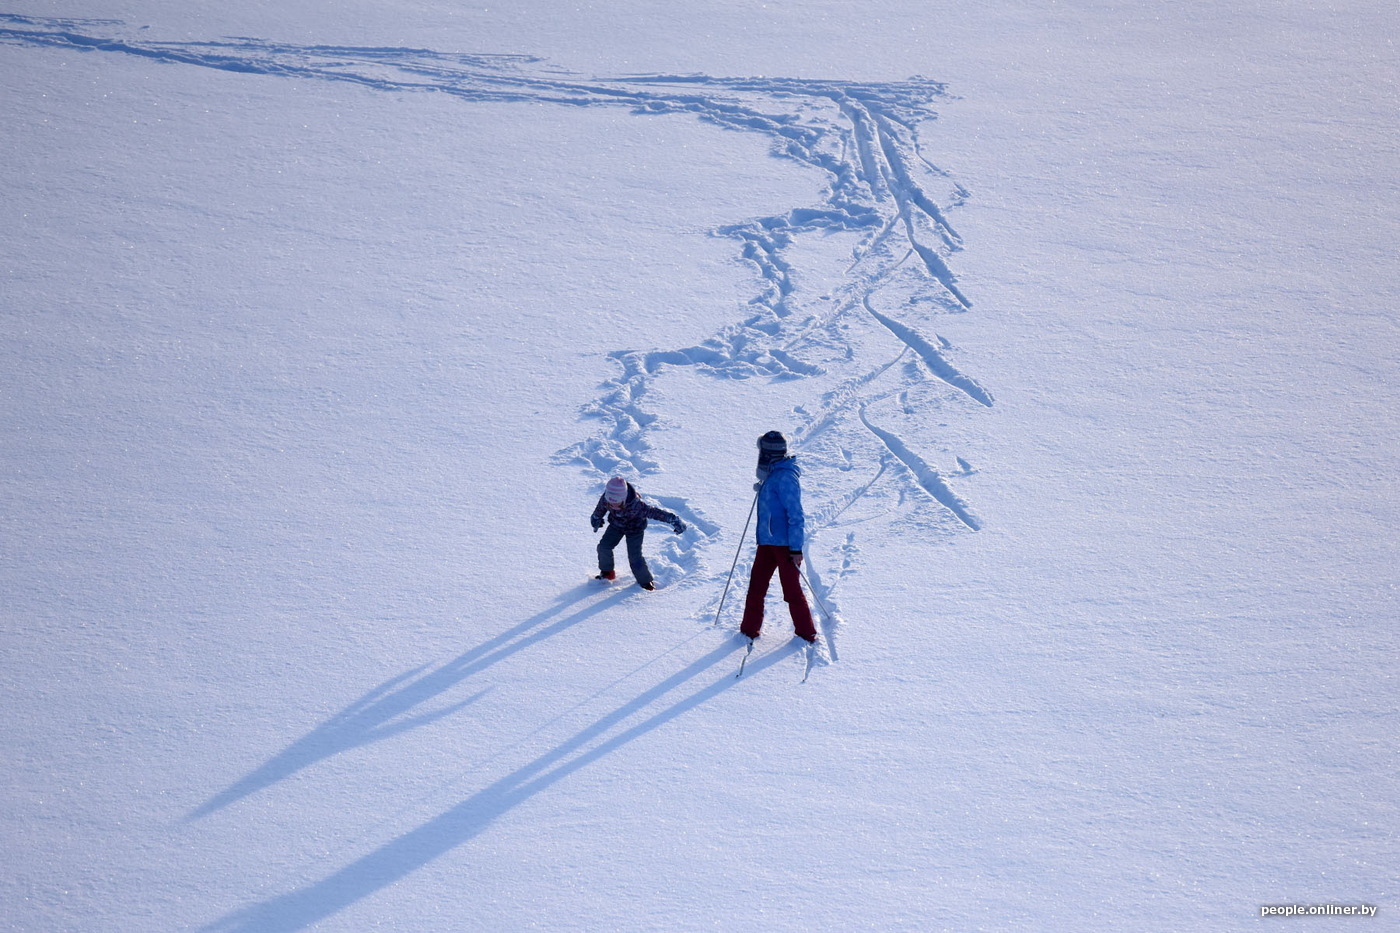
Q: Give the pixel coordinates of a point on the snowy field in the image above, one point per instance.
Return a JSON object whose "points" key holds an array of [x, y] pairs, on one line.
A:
{"points": [[323, 324]]}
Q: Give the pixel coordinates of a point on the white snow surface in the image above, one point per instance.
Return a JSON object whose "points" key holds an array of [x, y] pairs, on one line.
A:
{"points": [[323, 324]]}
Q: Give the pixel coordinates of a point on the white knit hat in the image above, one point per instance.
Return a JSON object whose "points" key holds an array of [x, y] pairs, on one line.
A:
{"points": [[616, 491]]}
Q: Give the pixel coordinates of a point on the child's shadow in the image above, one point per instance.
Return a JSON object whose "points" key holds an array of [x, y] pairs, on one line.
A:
{"points": [[391, 707]]}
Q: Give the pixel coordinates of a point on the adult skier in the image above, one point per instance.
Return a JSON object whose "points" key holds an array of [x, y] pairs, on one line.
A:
{"points": [[780, 539], [627, 515]]}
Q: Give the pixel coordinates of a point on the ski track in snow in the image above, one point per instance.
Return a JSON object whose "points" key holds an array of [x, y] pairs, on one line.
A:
{"points": [[863, 138]]}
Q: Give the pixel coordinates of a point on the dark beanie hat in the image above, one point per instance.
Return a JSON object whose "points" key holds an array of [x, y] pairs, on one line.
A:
{"points": [[772, 446]]}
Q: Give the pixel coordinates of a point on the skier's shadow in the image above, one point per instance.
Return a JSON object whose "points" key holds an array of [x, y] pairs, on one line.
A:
{"points": [[389, 709], [465, 821]]}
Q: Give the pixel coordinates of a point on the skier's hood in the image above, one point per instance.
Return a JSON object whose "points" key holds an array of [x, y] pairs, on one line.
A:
{"points": [[787, 464]]}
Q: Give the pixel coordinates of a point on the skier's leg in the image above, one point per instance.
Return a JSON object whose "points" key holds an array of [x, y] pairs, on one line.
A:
{"points": [[764, 563], [640, 570], [611, 536], [801, 613]]}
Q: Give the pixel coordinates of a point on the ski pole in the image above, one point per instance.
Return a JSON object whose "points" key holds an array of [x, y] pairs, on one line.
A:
{"points": [[814, 593], [742, 535]]}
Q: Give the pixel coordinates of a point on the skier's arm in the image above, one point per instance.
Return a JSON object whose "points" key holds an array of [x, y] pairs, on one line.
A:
{"points": [[597, 518], [791, 493], [670, 518]]}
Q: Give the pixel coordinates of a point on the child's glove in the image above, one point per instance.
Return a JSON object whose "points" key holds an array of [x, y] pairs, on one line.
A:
{"points": [[679, 526], [597, 522]]}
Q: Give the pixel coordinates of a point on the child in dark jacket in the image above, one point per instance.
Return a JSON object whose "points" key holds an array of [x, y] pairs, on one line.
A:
{"points": [[627, 515]]}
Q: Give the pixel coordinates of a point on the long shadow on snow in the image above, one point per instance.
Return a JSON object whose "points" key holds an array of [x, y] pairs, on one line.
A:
{"points": [[388, 709], [467, 820]]}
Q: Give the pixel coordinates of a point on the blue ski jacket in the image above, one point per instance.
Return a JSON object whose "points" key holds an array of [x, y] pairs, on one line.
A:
{"points": [[780, 506]]}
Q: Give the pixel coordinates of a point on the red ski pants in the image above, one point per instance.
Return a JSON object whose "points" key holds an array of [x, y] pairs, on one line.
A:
{"points": [[771, 557]]}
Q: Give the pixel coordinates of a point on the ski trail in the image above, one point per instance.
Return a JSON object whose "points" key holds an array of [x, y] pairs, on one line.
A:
{"points": [[926, 475], [880, 190], [939, 366]]}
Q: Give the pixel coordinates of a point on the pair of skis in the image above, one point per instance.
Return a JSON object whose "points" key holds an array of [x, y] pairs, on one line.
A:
{"points": [[810, 649]]}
